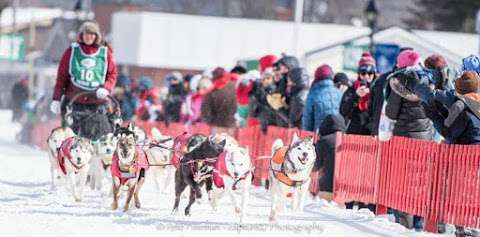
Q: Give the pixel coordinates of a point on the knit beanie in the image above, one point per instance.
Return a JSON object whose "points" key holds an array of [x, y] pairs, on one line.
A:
{"points": [[471, 63], [435, 61], [367, 63], [266, 61], [408, 58], [324, 72], [341, 78], [467, 83]]}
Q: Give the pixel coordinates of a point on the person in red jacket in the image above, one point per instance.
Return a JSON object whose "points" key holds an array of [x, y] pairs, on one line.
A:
{"points": [[86, 66]]}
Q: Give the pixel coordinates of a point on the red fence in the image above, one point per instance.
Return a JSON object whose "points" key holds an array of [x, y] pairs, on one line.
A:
{"points": [[438, 182]]}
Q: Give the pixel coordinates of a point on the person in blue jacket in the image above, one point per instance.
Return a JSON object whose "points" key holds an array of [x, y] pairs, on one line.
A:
{"points": [[323, 99]]}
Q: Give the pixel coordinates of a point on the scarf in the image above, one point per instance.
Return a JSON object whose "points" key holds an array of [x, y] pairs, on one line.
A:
{"points": [[363, 101]]}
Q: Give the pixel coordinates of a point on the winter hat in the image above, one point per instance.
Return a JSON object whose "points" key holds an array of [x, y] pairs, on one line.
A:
{"points": [[194, 83], [267, 72], [92, 28], [471, 63], [239, 69], [467, 83], [250, 76], [123, 81], [408, 58], [367, 63], [435, 61], [341, 78], [175, 75], [324, 72], [266, 61], [288, 61], [145, 83], [218, 73]]}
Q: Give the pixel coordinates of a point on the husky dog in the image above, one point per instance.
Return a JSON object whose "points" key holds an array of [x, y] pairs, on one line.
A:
{"points": [[161, 158], [290, 170], [104, 149], [233, 175], [129, 164], [74, 158], [195, 170], [54, 141]]}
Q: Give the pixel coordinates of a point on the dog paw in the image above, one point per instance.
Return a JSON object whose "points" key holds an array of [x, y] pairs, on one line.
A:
{"points": [[114, 206], [138, 205], [78, 200], [125, 209]]}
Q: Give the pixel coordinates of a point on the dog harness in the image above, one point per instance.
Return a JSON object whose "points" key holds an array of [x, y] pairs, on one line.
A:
{"points": [[276, 165], [220, 170], [64, 152], [140, 162], [180, 148]]}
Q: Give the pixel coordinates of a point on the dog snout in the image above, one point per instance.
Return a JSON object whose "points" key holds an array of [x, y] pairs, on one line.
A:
{"points": [[79, 160], [109, 150], [235, 174], [305, 155]]}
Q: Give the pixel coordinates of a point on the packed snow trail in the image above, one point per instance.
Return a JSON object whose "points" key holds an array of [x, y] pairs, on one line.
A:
{"points": [[30, 208]]}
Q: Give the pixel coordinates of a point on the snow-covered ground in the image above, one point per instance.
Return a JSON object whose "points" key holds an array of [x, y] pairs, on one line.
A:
{"points": [[29, 208]]}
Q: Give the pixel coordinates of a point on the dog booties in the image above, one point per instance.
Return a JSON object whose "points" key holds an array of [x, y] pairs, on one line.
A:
{"points": [[276, 165], [141, 162], [63, 153]]}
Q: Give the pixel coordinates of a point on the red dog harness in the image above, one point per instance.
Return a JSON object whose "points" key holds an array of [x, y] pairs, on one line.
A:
{"points": [[220, 170], [64, 152], [141, 162], [180, 148]]}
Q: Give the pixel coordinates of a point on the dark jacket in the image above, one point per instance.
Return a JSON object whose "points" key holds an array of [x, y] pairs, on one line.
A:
{"points": [[219, 107], [325, 149], [406, 108], [356, 120], [459, 125], [173, 102], [297, 95], [259, 108], [323, 99], [376, 102]]}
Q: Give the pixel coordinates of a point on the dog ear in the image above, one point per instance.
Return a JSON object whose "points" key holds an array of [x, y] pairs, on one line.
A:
{"points": [[309, 140], [222, 143], [295, 139], [130, 127]]}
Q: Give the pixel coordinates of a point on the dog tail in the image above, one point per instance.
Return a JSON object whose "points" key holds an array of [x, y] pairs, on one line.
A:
{"points": [[277, 144]]}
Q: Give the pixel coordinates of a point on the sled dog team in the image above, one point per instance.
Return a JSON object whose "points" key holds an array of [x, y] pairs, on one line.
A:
{"points": [[216, 163]]}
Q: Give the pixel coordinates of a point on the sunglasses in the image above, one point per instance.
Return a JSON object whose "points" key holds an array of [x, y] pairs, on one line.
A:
{"points": [[366, 73]]}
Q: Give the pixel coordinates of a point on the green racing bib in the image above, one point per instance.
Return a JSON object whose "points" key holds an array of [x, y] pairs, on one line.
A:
{"points": [[88, 71]]}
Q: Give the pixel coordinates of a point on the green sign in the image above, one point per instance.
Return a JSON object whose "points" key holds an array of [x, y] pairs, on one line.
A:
{"points": [[249, 64], [351, 56], [12, 47]]}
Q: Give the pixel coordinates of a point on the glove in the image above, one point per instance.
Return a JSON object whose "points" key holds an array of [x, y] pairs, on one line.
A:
{"points": [[102, 93], [55, 107]]}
